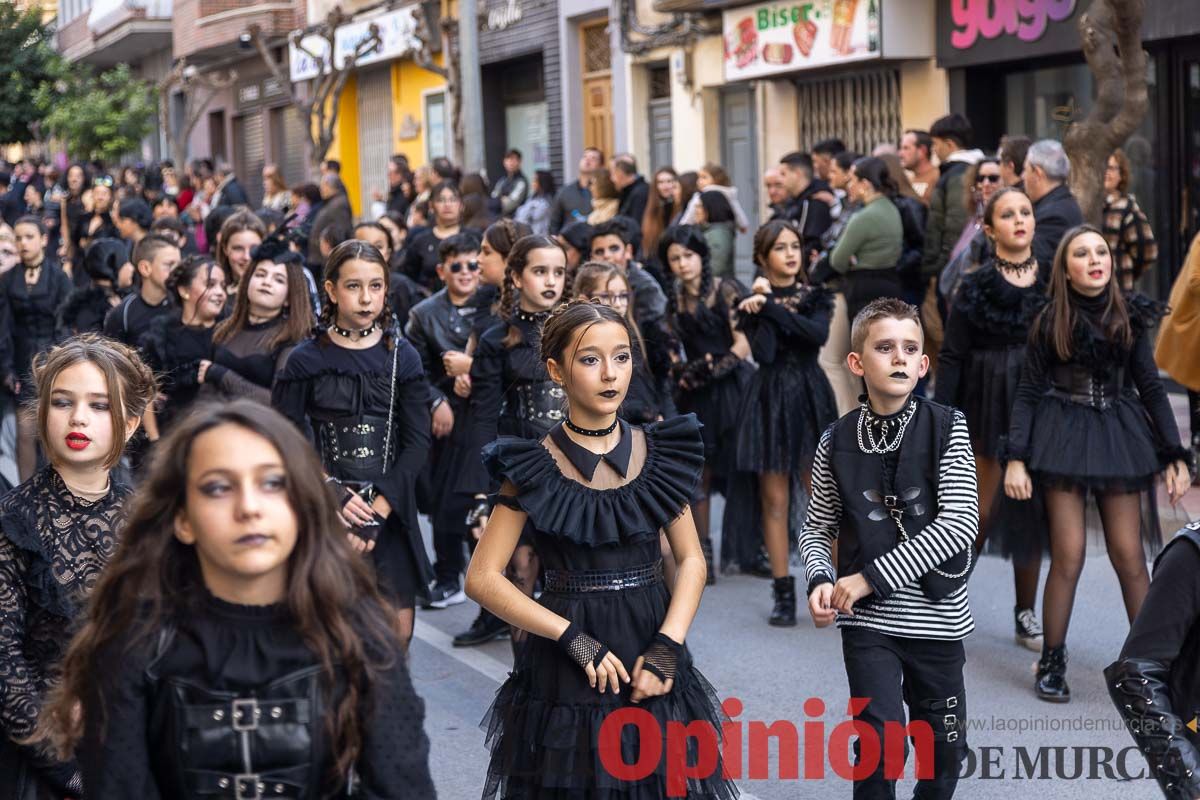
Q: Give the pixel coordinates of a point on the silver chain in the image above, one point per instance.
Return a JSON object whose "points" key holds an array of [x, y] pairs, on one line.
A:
{"points": [[883, 445], [387, 437]]}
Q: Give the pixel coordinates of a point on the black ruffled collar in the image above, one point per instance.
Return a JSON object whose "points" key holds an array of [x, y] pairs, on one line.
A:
{"points": [[996, 306], [586, 461]]}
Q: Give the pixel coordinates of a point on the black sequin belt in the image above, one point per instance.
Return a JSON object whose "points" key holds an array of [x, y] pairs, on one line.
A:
{"points": [[602, 580]]}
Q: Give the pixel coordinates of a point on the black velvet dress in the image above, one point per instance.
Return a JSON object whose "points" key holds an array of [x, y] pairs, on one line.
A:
{"points": [[979, 368], [588, 512], [174, 351], [214, 654], [53, 547], [340, 398], [30, 315]]}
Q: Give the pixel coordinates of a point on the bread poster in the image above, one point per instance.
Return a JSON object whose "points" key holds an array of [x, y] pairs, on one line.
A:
{"points": [[771, 38]]}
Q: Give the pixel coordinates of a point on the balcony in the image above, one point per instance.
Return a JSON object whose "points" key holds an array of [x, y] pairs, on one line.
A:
{"points": [[117, 31], [207, 30], [698, 6]]}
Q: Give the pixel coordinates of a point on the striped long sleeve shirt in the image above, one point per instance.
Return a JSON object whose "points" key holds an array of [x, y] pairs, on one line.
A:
{"points": [[897, 606]]}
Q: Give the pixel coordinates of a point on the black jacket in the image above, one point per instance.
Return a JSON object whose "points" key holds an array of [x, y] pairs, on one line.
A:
{"points": [[1053, 215], [633, 199], [334, 211], [232, 194], [573, 203], [811, 214]]}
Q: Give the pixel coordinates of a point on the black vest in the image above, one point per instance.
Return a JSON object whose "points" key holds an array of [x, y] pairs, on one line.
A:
{"points": [[217, 745], [867, 529]]}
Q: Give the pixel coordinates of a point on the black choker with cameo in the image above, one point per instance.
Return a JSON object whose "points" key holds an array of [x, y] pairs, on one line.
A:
{"points": [[589, 431], [349, 333], [1016, 268]]}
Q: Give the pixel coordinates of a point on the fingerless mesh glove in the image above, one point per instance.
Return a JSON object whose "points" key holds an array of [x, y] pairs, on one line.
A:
{"points": [[582, 648], [662, 656]]}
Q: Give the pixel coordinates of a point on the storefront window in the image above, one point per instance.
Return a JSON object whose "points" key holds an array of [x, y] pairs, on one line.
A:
{"points": [[528, 128], [436, 145], [1043, 102]]}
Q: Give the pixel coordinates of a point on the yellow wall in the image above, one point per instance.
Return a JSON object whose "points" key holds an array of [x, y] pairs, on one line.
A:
{"points": [[408, 82], [345, 142], [924, 94]]}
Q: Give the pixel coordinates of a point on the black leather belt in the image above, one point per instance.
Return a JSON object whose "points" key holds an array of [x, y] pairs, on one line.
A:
{"points": [[354, 443], [602, 580], [1080, 385]]}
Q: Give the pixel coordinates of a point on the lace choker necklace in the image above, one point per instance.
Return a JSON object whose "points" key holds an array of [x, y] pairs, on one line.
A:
{"points": [[351, 334], [532, 316], [1016, 268], [589, 431]]}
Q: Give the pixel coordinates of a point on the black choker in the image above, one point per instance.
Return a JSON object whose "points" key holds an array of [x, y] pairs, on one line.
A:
{"points": [[532, 316], [1015, 267], [350, 334], [588, 432]]}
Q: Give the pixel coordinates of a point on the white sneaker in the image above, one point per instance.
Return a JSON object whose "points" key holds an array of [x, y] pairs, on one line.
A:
{"points": [[1028, 629], [447, 594]]}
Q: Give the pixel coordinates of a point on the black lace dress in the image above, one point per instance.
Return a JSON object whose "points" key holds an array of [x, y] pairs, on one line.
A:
{"points": [[588, 512], [340, 398], [789, 403], [53, 546], [979, 368]]}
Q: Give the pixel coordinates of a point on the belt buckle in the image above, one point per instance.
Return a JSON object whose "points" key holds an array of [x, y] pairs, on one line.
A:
{"points": [[241, 780], [247, 706]]}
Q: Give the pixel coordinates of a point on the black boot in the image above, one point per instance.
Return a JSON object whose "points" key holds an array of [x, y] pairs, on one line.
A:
{"points": [[1051, 684], [486, 627], [760, 567], [784, 613], [706, 547]]}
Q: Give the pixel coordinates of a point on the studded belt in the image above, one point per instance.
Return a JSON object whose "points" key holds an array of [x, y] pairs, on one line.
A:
{"points": [[354, 443], [539, 403], [602, 580]]}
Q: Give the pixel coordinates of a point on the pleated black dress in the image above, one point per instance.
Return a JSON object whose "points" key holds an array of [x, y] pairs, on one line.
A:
{"points": [[589, 513]]}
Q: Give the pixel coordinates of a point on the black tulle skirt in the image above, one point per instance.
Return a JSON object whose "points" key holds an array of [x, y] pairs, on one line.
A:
{"points": [[717, 406], [988, 391], [784, 412], [543, 729], [1075, 446]]}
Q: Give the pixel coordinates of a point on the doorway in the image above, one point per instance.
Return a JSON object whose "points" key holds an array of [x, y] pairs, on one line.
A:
{"points": [[740, 159]]}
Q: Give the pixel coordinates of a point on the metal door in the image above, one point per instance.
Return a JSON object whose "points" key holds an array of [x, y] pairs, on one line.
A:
{"points": [[740, 159], [660, 133], [291, 146], [862, 109], [374, 133], [249, 144]]}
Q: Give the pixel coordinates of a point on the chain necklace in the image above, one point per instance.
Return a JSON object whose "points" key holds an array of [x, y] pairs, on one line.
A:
{"points": [[350, 333], [1016, 268], [867, 419]]}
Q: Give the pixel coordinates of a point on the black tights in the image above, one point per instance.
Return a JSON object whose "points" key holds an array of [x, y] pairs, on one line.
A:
{"points": [[523, 572], [1120, 514], [406, 620], [1194, 414]]}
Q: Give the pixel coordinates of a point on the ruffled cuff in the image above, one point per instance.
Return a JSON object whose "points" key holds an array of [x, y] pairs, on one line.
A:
{"points": [[1169, 455], [1006, 452]]}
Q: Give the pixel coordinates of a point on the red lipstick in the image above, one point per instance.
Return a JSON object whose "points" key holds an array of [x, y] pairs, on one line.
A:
{"points": [[77, 441]]}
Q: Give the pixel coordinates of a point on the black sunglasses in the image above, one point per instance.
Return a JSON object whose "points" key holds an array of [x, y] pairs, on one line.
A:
{"points": [[988, 179], [458, 266]]}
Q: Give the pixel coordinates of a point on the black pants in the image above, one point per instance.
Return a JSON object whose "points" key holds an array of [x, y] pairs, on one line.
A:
{"points": [[450, 537], [927, 676]]}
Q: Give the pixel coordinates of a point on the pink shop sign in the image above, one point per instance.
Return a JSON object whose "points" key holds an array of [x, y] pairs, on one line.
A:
{"points": [[991, 19]]}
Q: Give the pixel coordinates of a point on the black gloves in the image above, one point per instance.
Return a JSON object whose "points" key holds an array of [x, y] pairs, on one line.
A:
{"points": [[582, 648], [662, 657]]}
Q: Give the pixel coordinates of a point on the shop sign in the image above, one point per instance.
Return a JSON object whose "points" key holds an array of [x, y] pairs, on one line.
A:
{"points": [[397, 34], [503, 15], [772, 38], [1025, 19]]}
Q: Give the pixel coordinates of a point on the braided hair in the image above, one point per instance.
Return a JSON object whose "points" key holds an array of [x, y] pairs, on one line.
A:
{"points": [[510, 298], [358, 250], [691, 238], [504, 233]]}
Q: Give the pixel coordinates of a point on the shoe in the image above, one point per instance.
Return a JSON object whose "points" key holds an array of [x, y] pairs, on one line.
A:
{"points": [[486, 627], [1029, 630], [784, 613], [760, 567], [706, 547], [1051, 684], [446, 593]]}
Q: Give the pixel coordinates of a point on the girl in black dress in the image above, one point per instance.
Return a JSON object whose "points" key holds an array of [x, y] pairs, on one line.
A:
{"points": [[57, 531], [511, 392], [1091, 415], [405, 292], [979, 368], [358, 389], [271, 315], [789, 403], [593, 494], [32, 295], [179, 344], [713, 379], [85, 308], [421, 252], [235, 646]]}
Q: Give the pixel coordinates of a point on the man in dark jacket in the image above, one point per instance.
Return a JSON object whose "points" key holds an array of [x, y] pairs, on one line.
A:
{"points": [[952, 136], [398, 176], [513, 188], [809, 201], [229, 191], [1055, 209], [573, 202], [335, 210], [635, 192]]}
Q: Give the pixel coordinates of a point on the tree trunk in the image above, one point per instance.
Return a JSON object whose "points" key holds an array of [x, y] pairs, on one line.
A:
{"points": [[1111, 34]]}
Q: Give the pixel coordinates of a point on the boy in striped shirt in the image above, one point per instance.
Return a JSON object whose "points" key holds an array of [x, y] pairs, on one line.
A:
{"points": [[893, 483]]}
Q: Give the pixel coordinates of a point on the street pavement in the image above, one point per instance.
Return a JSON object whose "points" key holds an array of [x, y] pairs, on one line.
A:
{"points": [[1020, 746]]}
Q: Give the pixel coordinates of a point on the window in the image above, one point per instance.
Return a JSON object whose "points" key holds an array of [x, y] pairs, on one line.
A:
{"points": [[437, 130]]}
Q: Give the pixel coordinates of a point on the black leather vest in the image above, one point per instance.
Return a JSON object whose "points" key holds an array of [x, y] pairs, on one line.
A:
{"points": [[867, 529], [217, 745]]}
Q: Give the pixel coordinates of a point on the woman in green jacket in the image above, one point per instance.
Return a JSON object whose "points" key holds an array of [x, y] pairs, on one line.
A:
{"points": [[870, 247], [715, 217]]}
